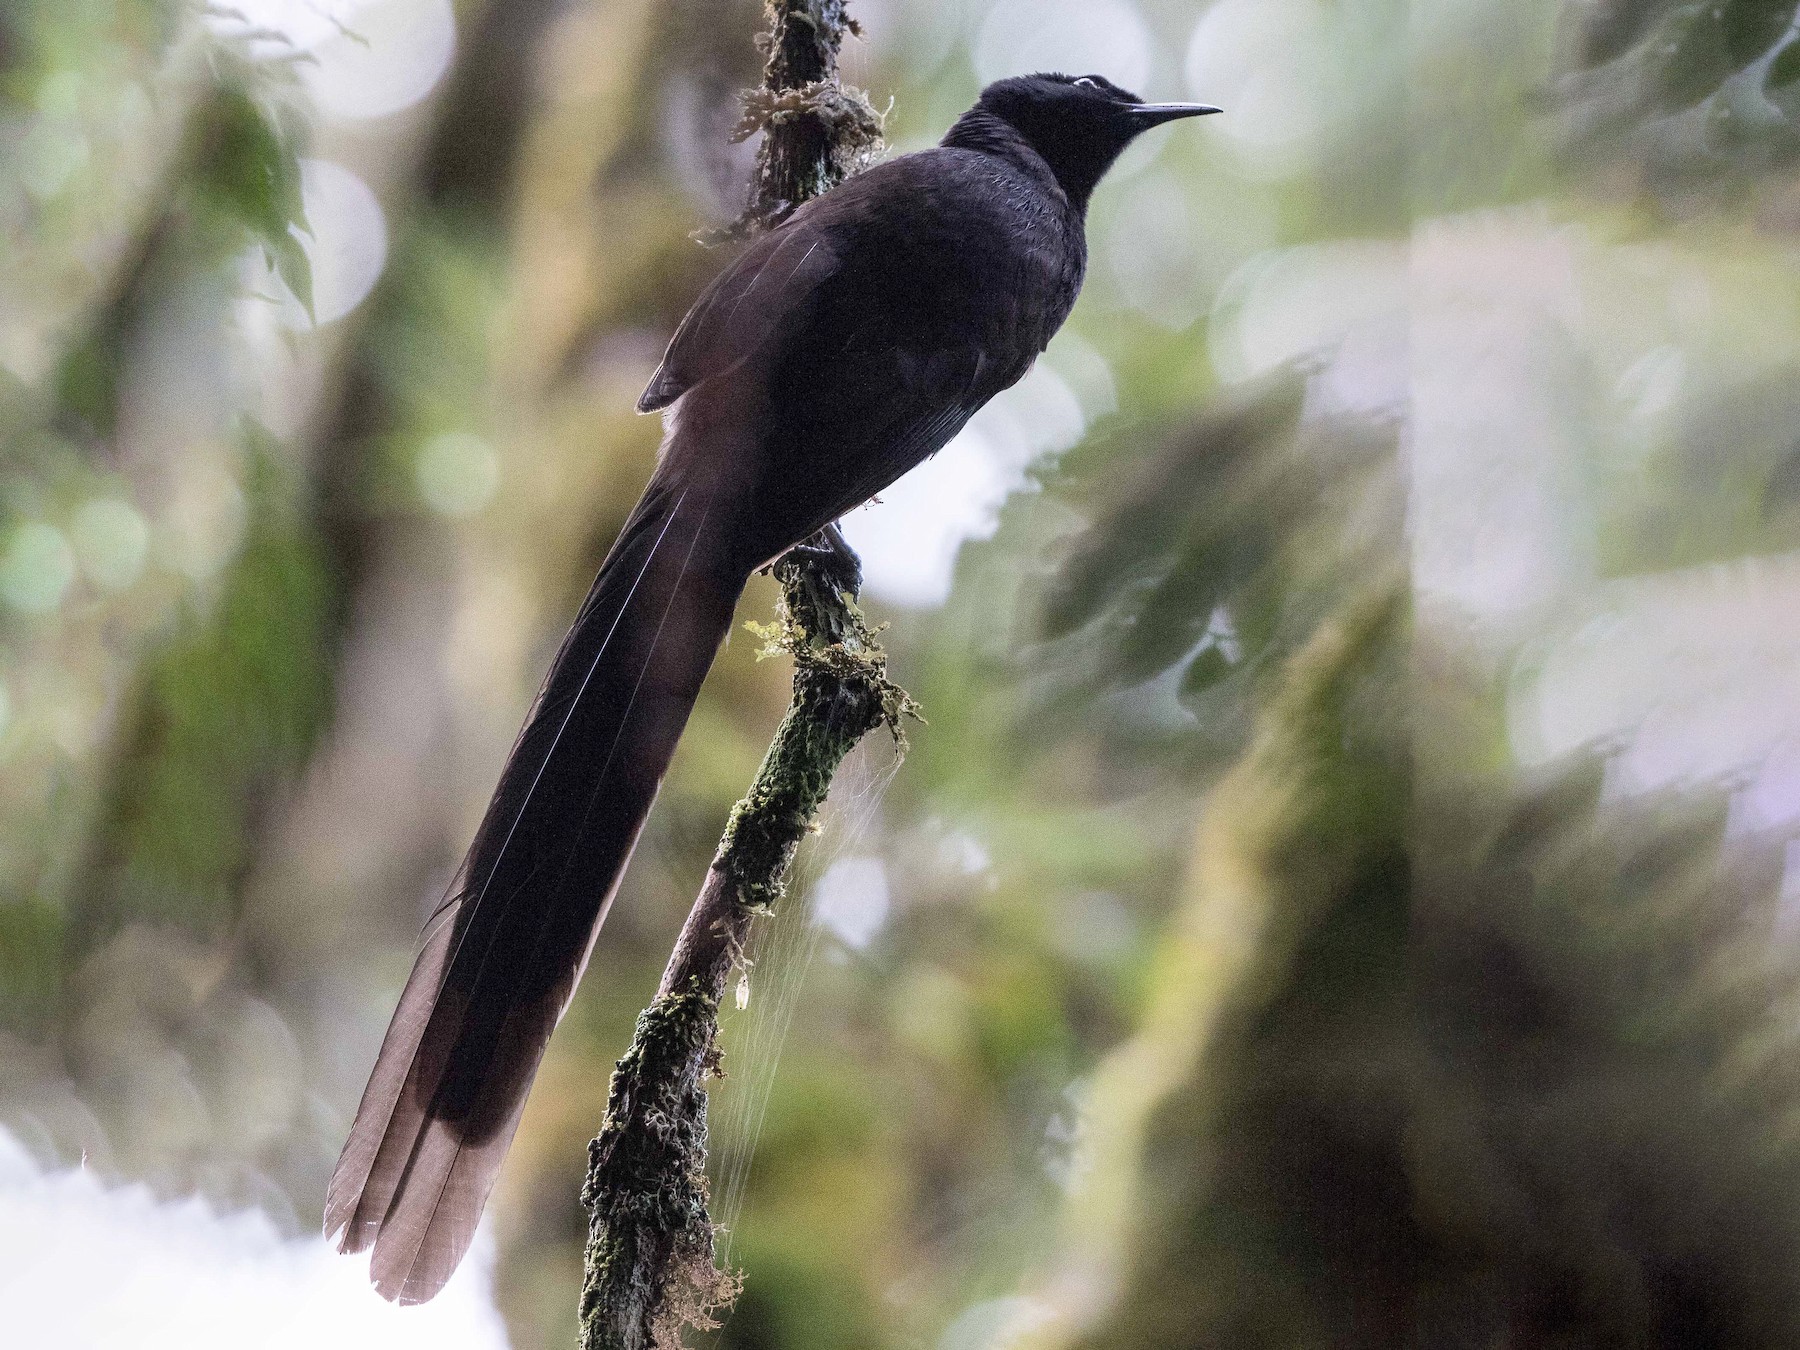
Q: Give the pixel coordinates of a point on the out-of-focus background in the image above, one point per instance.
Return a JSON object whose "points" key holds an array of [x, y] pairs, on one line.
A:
{"points": [[1347, 893]]}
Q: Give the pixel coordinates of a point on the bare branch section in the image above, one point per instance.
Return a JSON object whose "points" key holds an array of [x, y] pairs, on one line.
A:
{"points": [[650, 1268]]}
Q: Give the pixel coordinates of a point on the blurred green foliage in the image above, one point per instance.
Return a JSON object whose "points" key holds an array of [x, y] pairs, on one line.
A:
{"points": [[229, 707], [1703, 91]]}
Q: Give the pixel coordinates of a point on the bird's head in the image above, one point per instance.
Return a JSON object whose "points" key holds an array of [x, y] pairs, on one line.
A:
{"points": [[1078, 123]]}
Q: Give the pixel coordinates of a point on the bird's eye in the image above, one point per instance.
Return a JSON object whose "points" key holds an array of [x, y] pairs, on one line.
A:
{"points": [[1085, 83]]}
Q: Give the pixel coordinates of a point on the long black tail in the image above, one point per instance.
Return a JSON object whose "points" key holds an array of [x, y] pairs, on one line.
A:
{"points": [[502, 955]]}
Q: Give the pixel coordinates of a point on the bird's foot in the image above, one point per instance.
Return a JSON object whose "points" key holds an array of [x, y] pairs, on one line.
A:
{"points": [[831, 553]]}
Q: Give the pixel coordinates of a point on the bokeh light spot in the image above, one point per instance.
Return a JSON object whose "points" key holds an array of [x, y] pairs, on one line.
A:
{"points": [[60, 94], [111, 539], [457, 473], [1265, 62], [1154, 255], [37, 568], [282, 27], [909, 538], [996, 1324], [346, 241], [851, 900], [1103, 37], [49, 155], [388, 56]]}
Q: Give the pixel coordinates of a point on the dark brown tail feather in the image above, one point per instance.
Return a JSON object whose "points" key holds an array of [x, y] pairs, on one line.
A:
{"points": [[501, 957]]}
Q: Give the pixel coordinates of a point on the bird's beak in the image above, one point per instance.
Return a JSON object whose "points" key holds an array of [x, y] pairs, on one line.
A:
{"points": [[1153, 114]]}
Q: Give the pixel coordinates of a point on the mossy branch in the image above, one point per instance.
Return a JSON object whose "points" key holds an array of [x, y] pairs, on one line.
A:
{"points": [[816, 131], [650, 1268]]}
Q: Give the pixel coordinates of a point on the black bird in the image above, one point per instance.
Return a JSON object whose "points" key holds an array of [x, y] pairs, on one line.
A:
{"points": [[832, 355]]}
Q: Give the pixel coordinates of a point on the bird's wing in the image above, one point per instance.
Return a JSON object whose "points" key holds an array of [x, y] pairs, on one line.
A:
{"points": [[878, 329], [740, 311], [852, 424], [887, 409]]}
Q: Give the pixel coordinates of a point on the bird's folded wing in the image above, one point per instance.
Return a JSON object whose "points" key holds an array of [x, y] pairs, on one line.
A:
{"points": [[740, 312], [850, 426]]}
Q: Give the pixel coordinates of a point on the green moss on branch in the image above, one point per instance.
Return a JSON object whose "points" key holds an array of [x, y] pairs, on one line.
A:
{"points": [[650, 1262]]}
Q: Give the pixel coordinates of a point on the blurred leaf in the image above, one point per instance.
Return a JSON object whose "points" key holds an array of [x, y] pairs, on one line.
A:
{"points": [[1692, 90], [1495, 1041], [87, 383], [31, 932], [250, 168], [295, 270], [1242, 529], [1209, 666], [1714, 489], [1163, 496], [1782, 492], [1785, 69]]}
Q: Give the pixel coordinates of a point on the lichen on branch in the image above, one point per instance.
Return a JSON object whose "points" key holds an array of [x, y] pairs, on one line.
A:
{"points": [[649, 1266], [816, 130]]}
